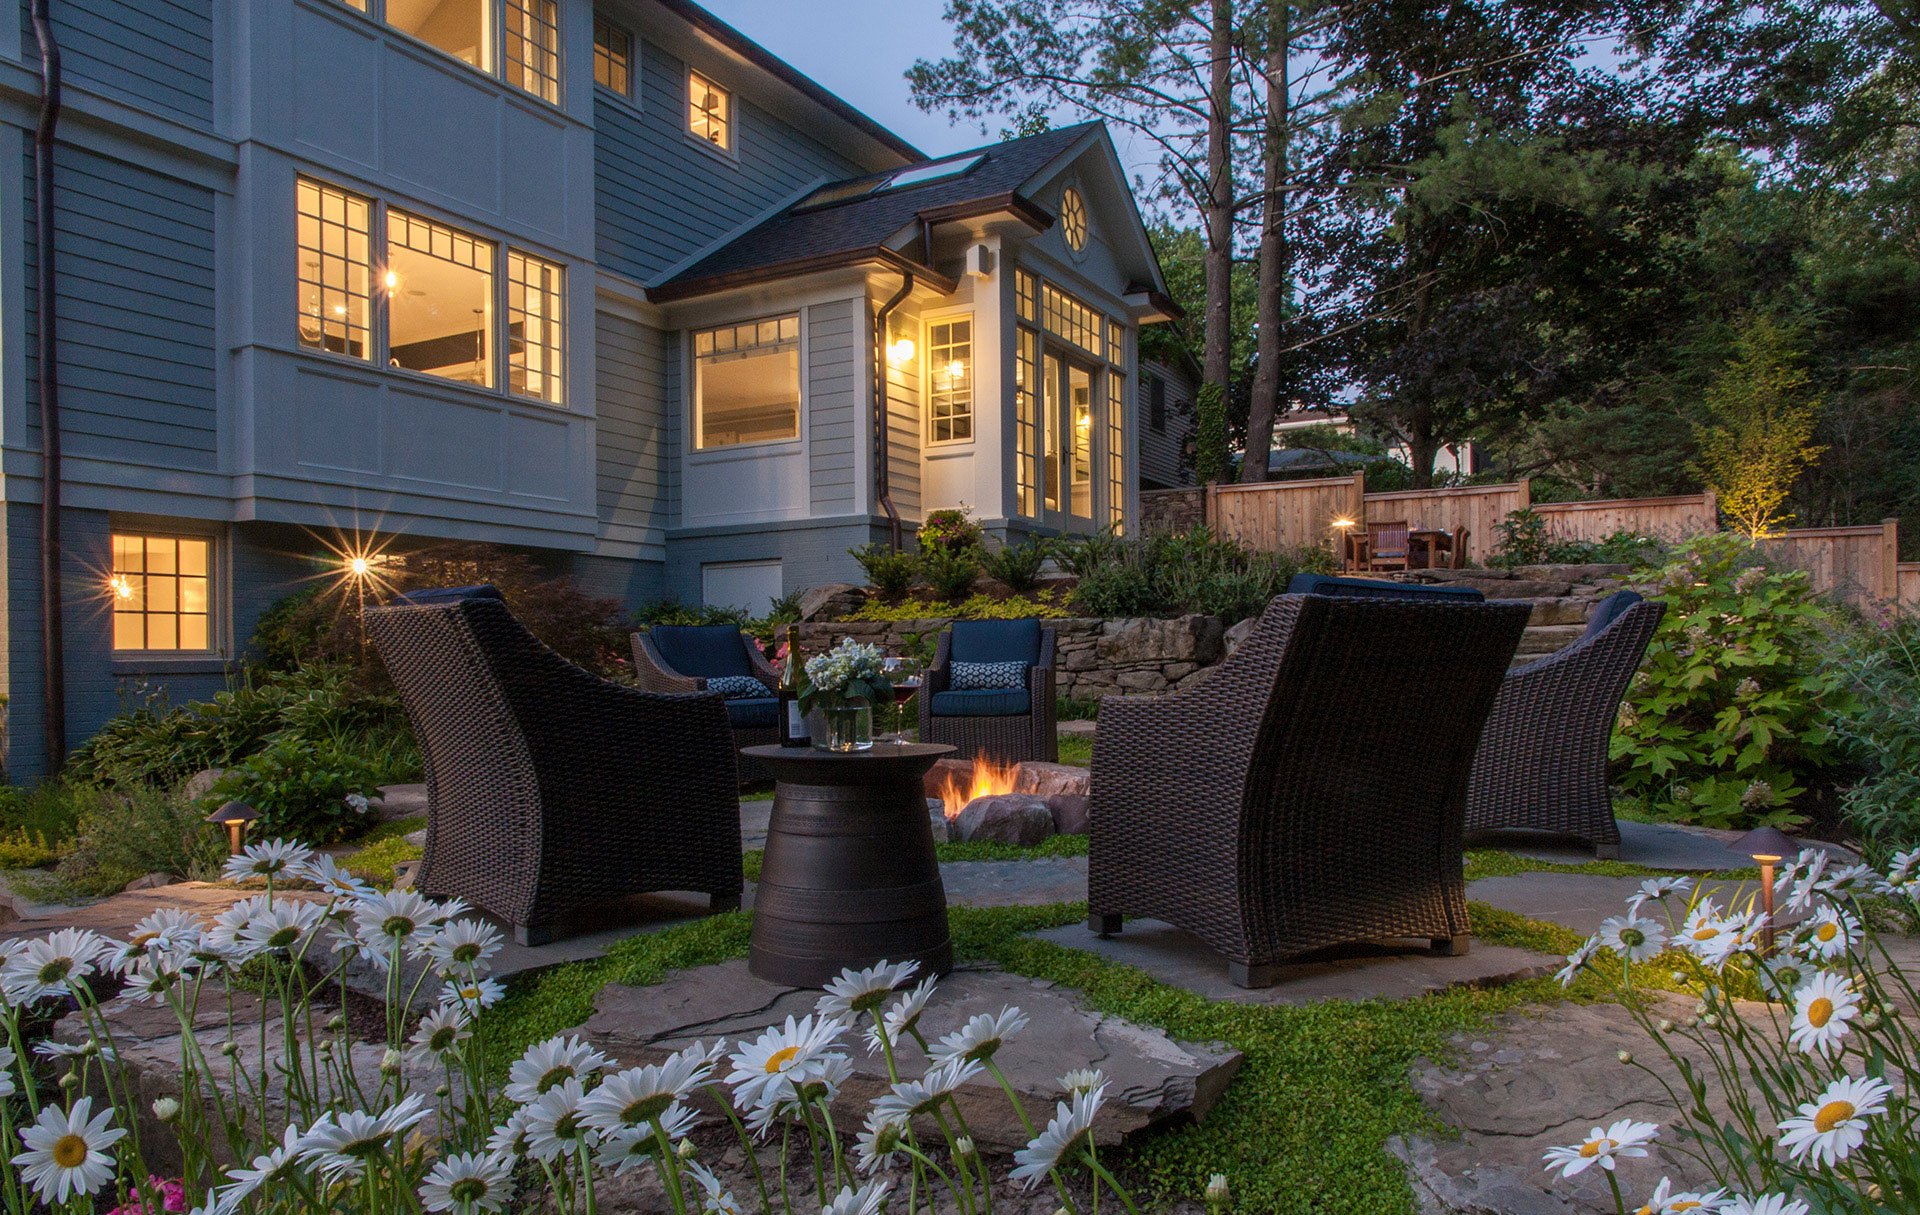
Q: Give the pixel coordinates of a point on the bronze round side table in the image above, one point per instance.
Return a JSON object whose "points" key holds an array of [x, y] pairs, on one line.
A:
{"points": [[849, 877]]}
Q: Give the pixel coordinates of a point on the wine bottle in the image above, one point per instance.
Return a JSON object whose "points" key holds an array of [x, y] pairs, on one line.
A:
{"points": [[793, 723]]}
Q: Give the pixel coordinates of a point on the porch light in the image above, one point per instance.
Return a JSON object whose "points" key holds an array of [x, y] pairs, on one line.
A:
{"points": [[234, 816], [392, 280], [900, 352], [1343, 523]]}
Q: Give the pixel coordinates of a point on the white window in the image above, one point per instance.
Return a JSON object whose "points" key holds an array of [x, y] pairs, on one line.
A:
{"points": [[1073, 219], [535, 352], [747, 383], [458, 27], [709, 111], [161, 587], [335, 305], [612, 57], [532, 29], [517, 40], [950, 380], [439, 284]]}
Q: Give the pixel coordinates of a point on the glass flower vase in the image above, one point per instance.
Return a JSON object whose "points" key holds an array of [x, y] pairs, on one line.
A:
{"points": [[847, 727]]}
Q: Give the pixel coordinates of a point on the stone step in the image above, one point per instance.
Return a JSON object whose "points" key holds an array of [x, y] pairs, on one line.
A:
{"points": [[1549, 638]]}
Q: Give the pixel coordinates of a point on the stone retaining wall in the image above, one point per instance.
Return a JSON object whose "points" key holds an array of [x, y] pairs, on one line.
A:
{"points": [[1173, 510]]}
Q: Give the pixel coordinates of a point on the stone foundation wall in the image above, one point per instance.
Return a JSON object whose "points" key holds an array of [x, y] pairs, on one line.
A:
{"points": [[1173, 510]]}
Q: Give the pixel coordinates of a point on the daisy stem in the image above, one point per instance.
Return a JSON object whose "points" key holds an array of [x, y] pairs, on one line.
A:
{"points": [[586, 1177], [786, 1142], [813, 1149], [921, 1158], [979, 1161], [746, 1144], [1100, 1170], [1619, 1202], [833, 1143], [669, 1168], [886, 1047], [962, 1196], [1012, 1096]]}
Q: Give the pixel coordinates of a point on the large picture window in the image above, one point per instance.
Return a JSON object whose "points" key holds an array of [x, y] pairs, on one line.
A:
{"points": [[439, 283], [747, 383], [333, 228], [950, 380], [477, 32], [161, 588]]}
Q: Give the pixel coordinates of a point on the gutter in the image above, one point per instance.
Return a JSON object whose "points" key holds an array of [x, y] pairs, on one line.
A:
{"points": [[53, 687], [754, 276], [882, 427]]}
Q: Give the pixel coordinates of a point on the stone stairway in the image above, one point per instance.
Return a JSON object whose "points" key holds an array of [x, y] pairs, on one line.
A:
{"points": [[1562, 596]]}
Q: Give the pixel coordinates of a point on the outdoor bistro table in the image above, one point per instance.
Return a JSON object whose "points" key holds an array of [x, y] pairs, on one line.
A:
{"points": [[849, 876]]}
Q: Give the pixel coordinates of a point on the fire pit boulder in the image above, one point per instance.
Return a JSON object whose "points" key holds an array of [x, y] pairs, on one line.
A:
{"points": [[1046, 780], [1006, 818]]}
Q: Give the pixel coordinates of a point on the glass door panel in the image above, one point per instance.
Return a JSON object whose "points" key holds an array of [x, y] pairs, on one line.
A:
{"points": [[1052, 421], [1080, 467]]}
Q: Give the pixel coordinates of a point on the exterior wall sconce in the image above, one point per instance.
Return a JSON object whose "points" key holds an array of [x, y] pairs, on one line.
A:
{"points": [[234, 816], [900, 352]]}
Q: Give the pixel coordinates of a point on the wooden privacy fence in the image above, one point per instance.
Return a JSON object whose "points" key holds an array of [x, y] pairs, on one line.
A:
{"points": [[1859, 564], [1300, 515], [1669, 519], [1478, 508]]}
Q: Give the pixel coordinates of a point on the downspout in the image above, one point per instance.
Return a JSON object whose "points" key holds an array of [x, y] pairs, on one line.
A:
{"points": [[882, 428], [53, 712]]}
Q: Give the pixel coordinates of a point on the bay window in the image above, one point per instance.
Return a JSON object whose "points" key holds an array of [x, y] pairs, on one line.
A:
{"points": [[333, 234], [439, 285], [746, 383]]}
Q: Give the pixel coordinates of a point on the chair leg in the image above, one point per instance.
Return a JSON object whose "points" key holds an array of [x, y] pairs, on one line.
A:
{"points": [[1240, 974], [533, 934], [1451, 947], [1103, 925], [1606, 852], [718, 903]]}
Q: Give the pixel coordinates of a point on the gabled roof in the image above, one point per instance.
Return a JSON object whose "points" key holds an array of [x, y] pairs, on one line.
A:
{"points": [[843, 223]]}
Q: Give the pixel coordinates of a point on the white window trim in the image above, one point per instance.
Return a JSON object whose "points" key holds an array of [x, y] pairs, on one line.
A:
{"points": [[376, 12], [729, 153], [927, 322], [215, 655], [632, 96], [1086, 215], [709, 455]]}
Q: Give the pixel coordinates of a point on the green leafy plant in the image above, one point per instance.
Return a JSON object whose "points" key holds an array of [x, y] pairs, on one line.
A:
{"points": [[1760, 437], [1211, 461], [891, 574], [1733, 715], [1523, 540], [128, 833], [1017, 565], [950, 572], [313, 791], [951, 531], [1883, 661], [1044, 604], [1184, 572], [1081, 555]]}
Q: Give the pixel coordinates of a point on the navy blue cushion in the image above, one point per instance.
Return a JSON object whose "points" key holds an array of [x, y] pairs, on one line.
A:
{"points": [[754, 712], [704, 650], [992, 702], [451, 594], [1609, 610], [1371, 588], [995, 641]]}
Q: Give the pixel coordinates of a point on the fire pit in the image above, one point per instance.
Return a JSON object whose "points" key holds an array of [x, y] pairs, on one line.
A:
{"points": [[1020, 803]]}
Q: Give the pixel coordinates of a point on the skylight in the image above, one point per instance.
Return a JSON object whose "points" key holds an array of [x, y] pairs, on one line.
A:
{"points": [[939, 170]]}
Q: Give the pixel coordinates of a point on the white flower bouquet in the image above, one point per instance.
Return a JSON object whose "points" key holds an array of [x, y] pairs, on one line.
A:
{"points": [[846, 675]]}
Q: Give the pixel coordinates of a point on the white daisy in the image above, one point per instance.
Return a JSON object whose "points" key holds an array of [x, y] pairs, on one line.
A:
{"points": [[51, 965], [1821, 1009], [390, 916], [715, 1199], [1901, 873], [223, 935], [857, 992], [878, 1144], [473, 994], [509, 1139], [177, 929], [1829, 934], [1830, 1126], [555, 1127], [631, 1147], [869, 1199], [1633, 938], [1781, 975], [1801, 881], [67, 1152], [49, 1049], [780, 1056], [1852, 881], [1705, 932], [340, 1143], [1083, 1080], [547, 1065], [912, 1098], [1070, 1126], [325, 871], [1577, 961], [981, 1036], [1766, 1204], [1624, 1139], [1659, 888], [7, 1086], [267, 859], [902, 1015], [464, 947], [441, 1032], [285, 926], [1665, 1202], [634, 1097], [469, 1182], [274, 1166]]}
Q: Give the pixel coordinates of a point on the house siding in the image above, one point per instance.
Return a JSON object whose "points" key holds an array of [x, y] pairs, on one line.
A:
{"points": [[1162, 451], [835, 344], [154, 54], [136, 312], [632, 455], [660, 198]]}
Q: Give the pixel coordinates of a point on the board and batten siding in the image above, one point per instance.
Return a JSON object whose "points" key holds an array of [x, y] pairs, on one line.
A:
{"points": [[136, 312], [154, 54], [835, 345], [659, 198], [631, 406]]}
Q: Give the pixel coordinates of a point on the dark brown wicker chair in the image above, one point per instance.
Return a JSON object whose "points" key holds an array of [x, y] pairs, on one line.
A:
{"points": [[1542, 764], [693, 654], [548, 788], [1017, 726], [1310, 792]]}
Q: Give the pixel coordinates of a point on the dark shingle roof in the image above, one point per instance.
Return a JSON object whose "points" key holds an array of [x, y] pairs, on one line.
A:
{"points": [[805, 236]]}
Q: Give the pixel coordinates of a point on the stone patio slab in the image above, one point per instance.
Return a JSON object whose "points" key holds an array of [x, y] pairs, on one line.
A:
{"points": [[1578, 901], [1181, 960], [1153, 1078]]}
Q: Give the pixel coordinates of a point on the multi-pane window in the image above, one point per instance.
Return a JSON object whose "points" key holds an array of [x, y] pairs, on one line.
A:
{"points": [[612, 57], [160, 589], [1066, 317], [333, 228], [950, 380], [747, 382], [1073, 219], [1026, 293], [1116, 343], [534, 349], [1026, 425], [518, 40], [532, 36], [439, 284], [709, 111], [1116, 451]]}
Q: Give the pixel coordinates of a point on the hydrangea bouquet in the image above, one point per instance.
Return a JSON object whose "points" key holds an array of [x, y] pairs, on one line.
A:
{"points": [[844, 684]]}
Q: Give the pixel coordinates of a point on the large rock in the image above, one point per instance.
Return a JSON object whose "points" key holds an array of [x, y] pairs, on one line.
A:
{"points": [[1572, 573], [831, 601], [1044, 779], [1070, 815], [1152, 1078], [1011, 818], [1238, 633], [1194, 639], [959, 770], [200, 784]]}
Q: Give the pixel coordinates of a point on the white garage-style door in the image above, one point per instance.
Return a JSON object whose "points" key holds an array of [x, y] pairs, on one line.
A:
{"points": [[749, 585]]}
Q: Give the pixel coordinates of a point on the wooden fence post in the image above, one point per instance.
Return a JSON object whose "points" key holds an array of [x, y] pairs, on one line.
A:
{"points": [[1889, 574]]}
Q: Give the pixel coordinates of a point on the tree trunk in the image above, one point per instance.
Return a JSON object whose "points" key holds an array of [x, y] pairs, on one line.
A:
{"points": [[1218, 210], [1275, 266]]}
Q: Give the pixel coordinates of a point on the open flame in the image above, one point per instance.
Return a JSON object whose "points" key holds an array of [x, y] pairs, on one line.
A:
{"points": [[988, 779]]}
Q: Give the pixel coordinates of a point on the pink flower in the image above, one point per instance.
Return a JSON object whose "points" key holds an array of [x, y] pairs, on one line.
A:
{"points": [[173, 1198]]}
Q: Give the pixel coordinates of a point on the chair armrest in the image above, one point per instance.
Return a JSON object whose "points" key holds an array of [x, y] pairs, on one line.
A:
{"points": [[939, 674], [653, 674], [762, 669]]}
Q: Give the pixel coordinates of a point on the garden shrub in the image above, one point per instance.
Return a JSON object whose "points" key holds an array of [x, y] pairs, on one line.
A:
{"points": [[1181, 573], [301, 789], [950, 531], [673, 612], [23, 849], [1043, 604], [1733, 715], [128, 833], [890, 573], [1524, 541], [1883, 732], [950, 572], [1017, 565]]}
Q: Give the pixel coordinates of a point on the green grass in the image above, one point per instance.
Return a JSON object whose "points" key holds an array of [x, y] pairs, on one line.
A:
{"points": [[1077, 749], [970, 850], [1492, 862], [378, 862], [394, 829]]}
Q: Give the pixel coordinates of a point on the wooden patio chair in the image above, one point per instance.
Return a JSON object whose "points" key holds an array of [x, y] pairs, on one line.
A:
{"points": [[1386, 546]]}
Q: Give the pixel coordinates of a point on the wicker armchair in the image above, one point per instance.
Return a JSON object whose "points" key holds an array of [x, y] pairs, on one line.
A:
{"points": [[1009, 725], [681, 658], [1542, 764], [549, 788], [1308, 793]]}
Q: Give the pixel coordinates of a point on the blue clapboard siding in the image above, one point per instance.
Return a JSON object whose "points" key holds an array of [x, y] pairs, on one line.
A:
{"points": [[834, 346], [155, 54], [631, 404], [659, 197], [1162, 452], [136, 313]]}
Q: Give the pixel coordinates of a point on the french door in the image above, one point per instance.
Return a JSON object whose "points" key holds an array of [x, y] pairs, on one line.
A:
{"points": [[1068, 407]]}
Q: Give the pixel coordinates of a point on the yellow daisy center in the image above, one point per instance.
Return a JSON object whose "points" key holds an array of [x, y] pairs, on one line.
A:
{"points": [[1685, 1204], [1705, 933], [1832, 1114], [1593, 1147], [780, 1058], [70, 1151], [1820, 1012], [1826, 932]]}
